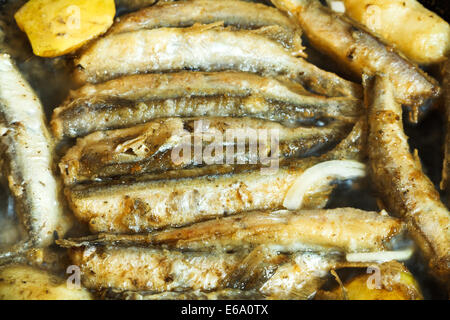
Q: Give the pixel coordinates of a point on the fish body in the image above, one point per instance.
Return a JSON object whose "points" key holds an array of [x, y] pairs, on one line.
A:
{"points": [[298, 279], [333, 230], [398, 176], [238, 14], [135, 99], [361, 52], [446, 163]]}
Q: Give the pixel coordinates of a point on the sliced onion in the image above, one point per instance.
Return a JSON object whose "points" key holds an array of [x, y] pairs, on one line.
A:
{"points": [[337, 6], [319, 175], [381, 256]]}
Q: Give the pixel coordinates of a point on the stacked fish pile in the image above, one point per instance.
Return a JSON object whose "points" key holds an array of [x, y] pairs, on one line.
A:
{"points": [[222, 221]]}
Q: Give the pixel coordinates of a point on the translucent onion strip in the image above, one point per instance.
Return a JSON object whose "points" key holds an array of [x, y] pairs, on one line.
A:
{"points": [[319, 175]]}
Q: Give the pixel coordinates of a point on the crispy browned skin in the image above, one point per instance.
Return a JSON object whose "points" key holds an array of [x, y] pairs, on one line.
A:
{"points": [[238, 14], [136, 99], [360, 51], [148, 148], [223, 294], [143, 202], [397, 174], [298, 279], [204, 48], [342, 230], [154, 270], [446, 166], [180, 197]]}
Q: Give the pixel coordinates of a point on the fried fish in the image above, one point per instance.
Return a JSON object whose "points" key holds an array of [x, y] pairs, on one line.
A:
{"points": [[150, 148], [132, 100], [238, 14], [140, 203]]}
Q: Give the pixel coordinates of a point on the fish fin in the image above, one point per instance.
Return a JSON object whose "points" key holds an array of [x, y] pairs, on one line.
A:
{"points": [[256, 268]]}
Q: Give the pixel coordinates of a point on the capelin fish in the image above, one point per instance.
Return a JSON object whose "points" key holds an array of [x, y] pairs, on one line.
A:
{"points": [[28, 147], [144, 202], [238, 14], [132, 100], [396, 283], [223, 294], [203, 48], [144, 269], [361, 52], [36, 284], [299, 278], [398, 176], [181, 197], [157, 270], [342, 230], [149, 148]]}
